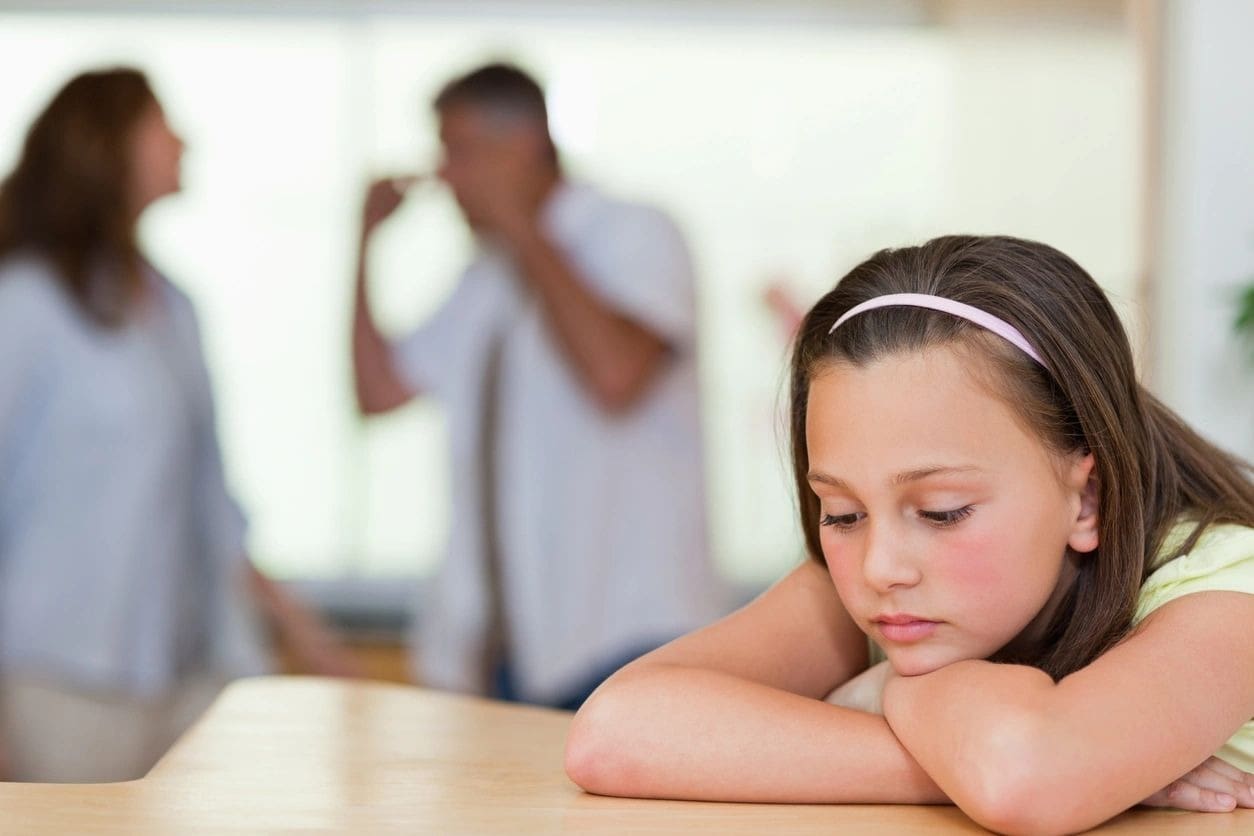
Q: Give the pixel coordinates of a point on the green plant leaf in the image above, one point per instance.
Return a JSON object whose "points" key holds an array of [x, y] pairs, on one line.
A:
{"points": [[1245, 313]]}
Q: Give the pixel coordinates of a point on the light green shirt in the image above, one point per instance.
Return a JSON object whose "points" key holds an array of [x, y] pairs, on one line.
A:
{"points": [[1222, 560]]}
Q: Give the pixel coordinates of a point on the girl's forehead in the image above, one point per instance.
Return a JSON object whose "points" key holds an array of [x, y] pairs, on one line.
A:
{"points": [[910, 407], [929, 375]]}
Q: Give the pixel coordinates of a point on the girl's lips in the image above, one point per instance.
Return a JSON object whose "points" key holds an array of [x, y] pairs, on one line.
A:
{"points": [[904, 630]]}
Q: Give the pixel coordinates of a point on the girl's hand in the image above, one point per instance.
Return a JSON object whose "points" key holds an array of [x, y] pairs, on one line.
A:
{"points": [[1215, 786], [865, 692]]}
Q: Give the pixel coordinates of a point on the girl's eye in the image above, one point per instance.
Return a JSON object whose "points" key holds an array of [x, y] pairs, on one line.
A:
{"points": [[841, 520], [943, 519]]}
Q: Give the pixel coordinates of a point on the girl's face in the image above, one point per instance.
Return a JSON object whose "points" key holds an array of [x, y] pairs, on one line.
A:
{"points": [[156, 158], [944, 521]]}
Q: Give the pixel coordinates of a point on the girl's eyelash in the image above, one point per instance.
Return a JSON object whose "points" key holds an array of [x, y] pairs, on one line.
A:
{"points": [[840, 520], [944, 519], [940, 519]]}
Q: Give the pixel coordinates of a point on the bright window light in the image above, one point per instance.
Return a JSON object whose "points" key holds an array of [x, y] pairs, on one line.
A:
{"points": [[785, 151]]}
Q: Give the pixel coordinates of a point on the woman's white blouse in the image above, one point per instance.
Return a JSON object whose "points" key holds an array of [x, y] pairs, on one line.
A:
{"points": [[121, 552]]}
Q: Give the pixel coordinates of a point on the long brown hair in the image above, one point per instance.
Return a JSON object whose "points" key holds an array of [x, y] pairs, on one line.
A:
{"points": [[1152, 469], [68, 198]]}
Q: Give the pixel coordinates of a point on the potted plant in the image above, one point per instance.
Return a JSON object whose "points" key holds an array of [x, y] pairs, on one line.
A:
{"points": [[1245, 315]]}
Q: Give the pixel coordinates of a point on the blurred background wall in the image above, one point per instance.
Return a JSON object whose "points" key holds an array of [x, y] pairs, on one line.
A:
{"points": [[1201, 218], [790, 138]]}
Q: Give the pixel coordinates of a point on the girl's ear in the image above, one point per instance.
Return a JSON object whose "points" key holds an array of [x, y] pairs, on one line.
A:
{"points": [[1083, 480]]}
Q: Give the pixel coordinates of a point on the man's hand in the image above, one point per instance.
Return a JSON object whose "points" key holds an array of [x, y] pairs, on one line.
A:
{"points": [[503, 196], [319, 651], [1214, 786], [311, 643], [382, 199]]}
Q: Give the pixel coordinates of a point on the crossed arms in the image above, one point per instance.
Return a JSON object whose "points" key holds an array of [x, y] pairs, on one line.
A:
{"points": [[734, 712]]}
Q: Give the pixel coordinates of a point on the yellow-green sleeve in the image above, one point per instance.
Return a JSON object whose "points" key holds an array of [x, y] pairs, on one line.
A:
{"points": [[1221, 561]]}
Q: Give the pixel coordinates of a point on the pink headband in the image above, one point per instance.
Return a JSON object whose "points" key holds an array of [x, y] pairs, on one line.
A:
{"points": [[985, 320]]}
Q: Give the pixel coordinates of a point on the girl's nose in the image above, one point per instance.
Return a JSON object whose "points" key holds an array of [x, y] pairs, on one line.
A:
{"points": [[887, 562]]}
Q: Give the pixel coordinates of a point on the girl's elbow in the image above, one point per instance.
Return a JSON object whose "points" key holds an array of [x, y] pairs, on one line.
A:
{"points": [[1027, 787], [1009, 787], [1034, 816], [583, 753], [1034, 801], [597, 756], [1016, 815]]}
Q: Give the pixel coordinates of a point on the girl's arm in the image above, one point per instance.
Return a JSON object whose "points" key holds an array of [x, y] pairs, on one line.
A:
{"points": [[1019, 753], [734, 712]]}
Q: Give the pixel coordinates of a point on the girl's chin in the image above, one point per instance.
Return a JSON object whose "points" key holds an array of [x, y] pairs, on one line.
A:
{"points": [[908, 663], [914, 669]]}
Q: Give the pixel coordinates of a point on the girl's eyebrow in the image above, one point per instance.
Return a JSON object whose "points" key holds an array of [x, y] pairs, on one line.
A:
{"points": [[935, 470], [816, 476], [902, 478]]}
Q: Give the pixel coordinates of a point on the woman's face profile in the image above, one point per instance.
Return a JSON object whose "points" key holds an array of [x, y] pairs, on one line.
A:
{"points": [[156, 158]]}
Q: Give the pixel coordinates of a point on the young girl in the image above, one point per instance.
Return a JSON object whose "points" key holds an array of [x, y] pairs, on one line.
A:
{"points": [[1059, 573]]}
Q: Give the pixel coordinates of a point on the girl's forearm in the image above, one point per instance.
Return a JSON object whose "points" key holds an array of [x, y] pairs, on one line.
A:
{"points": [[664, 731], [979, 730]]}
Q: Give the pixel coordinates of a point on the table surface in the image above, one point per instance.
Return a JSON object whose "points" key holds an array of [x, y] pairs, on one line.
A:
{"points": [[288, 753]]}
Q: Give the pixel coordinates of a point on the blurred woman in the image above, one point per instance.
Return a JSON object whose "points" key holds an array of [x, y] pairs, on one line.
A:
{"points": [[126, 597]]}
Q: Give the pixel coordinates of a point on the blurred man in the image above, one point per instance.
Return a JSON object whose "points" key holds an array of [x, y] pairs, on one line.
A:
{"points": [[565, 358]]}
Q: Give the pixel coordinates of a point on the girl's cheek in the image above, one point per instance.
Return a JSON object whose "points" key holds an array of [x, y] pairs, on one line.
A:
{"points": [[977, 561], [841, 566]]}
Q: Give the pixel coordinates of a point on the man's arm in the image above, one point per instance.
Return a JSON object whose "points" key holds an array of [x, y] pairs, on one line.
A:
{"points": [[615, 356], [378, 385]]}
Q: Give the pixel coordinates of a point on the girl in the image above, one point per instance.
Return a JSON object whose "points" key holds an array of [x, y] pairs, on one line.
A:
{"points": [[124, 588], [1058, 572]]}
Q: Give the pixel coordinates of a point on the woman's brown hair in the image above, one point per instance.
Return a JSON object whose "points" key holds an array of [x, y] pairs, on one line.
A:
{"points": [[1152, 469], [68, 198]]}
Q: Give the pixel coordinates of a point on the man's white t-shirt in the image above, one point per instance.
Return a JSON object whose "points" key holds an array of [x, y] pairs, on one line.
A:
{"points": [[601, 517]]}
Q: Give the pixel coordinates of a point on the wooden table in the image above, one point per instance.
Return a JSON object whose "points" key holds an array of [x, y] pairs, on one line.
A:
{"points": [[297, 754]]}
